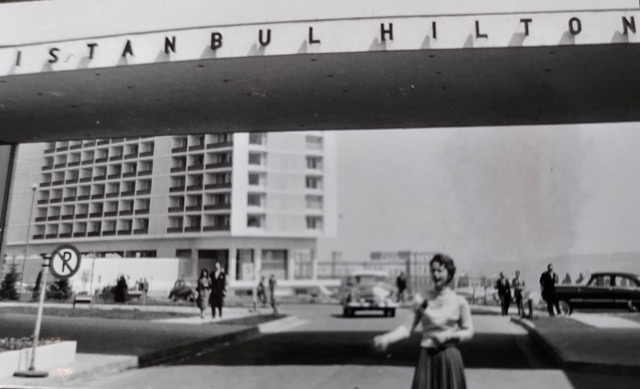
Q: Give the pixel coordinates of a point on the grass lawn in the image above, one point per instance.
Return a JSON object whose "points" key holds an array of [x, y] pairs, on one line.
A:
{"points": [[96, 313]]}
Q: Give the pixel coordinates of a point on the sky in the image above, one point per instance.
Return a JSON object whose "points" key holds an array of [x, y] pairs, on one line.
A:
{"points": [[489, 195]]}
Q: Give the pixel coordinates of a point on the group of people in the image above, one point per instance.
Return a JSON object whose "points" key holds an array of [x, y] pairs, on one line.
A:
{"points": [[211, 290], [548, 281], [504, 288], [262, 293]]}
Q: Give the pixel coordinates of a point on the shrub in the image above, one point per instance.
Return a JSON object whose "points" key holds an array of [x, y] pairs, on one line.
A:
{"points": [[59, 290], [108, 293], [8, 287], [120, 292]]}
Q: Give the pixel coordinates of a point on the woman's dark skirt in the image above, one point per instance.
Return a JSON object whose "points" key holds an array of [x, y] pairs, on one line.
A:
{"points": [[439, 369]]}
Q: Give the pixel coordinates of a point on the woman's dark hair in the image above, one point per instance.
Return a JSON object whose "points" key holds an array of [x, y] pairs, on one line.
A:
{"points": [[203, 271], [447, 262]]}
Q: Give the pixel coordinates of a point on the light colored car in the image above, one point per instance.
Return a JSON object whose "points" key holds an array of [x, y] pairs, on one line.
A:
{"points": [[368, 290]]}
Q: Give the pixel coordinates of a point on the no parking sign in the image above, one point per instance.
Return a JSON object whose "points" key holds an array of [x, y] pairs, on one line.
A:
{"points": [[65, 262]]}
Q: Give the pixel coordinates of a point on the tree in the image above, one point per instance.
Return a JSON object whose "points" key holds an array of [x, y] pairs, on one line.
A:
{"points": [[8, 287], [59, 290], [36, 289]]}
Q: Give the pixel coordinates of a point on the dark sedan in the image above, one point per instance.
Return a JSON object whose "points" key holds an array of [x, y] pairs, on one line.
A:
{"points": [[606, 290], [183, 290]]}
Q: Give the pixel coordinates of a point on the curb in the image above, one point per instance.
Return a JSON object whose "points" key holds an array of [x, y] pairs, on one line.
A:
{"points": [[563, 361], [101, 371], [176, 353], [279, 325]]}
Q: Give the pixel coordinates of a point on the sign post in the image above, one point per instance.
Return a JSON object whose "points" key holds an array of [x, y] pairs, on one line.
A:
{"points": [[63, 263]]}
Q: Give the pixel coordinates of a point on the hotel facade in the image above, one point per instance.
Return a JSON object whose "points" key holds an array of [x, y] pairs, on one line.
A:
{"points": [[255, 202]]}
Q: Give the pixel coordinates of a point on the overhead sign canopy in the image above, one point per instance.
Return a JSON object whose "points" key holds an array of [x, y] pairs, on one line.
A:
{"points": [[387, 68]]}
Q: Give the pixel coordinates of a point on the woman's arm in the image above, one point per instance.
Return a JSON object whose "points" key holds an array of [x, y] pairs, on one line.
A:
{"points": [[403, 331]]}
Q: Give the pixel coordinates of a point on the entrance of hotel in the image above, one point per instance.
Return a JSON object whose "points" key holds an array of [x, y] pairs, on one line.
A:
{"points": [[208, 258]]}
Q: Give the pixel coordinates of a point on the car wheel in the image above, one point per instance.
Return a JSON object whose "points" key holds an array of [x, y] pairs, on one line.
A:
{"points": [[345, 312], [565, 307], [633, 307]]}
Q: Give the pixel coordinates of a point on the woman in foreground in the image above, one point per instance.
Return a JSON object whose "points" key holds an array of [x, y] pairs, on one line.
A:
{"points": [[446, 321]]}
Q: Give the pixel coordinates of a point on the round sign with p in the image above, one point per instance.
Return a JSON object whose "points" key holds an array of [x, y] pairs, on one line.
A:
{"points": [[65, 261]]}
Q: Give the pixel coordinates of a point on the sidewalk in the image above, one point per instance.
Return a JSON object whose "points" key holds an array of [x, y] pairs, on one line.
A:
{"points": [[109, 346], [576, 345]]}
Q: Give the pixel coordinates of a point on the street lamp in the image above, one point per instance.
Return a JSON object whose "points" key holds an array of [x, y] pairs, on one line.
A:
{"points": [[34, 188]]}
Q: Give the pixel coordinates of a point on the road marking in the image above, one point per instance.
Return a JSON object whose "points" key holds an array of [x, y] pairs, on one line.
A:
{"points": [[604, 321]]}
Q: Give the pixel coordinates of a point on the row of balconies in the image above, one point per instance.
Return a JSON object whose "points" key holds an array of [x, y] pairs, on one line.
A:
{"points": [[92, 215], [76, 145]]}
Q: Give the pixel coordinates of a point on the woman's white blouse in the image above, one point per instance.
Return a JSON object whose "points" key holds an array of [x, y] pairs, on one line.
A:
{"points": [[446, 314]]}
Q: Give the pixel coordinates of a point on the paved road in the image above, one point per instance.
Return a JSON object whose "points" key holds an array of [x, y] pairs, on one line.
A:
{"points": [[334, 352]]}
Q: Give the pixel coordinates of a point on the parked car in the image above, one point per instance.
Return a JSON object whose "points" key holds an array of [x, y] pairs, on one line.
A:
{"points": [[183, 290], [368, 290], [604, 290]]}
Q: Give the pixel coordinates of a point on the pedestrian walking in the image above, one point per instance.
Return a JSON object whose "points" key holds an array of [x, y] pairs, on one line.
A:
{"points": [[218, 289], [518, 291], [262, 293], [204, 291], [548, 281], [401, 284], [504, 293], [272, 293], [446, 321]]}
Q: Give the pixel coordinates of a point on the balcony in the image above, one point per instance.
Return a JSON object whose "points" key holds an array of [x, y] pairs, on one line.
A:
{"points": [[178, 169], [51, 236], [85, 179], [67, 217], [74, 164], [176, 209], [126, 212], [171, 230], [117, 140], [90, 143], [94, 233], [43, 201], [192, 188], [131, 156], [195, 167], [145, 173], [53, 217], [192, 208], [218, 186], [45, 184], [47, 167], [76, 146], [70, 198], [114, 176], [81, 215], [83, 197], [60, 165], [128, 193], [129, 174], [217, 206], [103, 142], [56, 183], [112, 195], [196, 147], [39, 236], [141, 231], [41, 219], [219, 145], [142, 211], [193, 229], [179, 149], [219, 165], [108, 233], [71, 181], [59, 199], [216, 228], [100, 178], [125, 232], [97, 196], [177, 189], [62, 148], [87, 162], [115, 158], [102, 160], [65, 235], [96, 214], [143, 192], [49, 151], [146, 154], [111, 214], [79, 234]]}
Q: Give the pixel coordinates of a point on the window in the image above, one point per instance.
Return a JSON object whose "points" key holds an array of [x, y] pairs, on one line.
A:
{"points": [[314, 223], [254, 221], [254, 200], [256, 138], [183, 253], [313, 182], [254, 179], [314, 163], [255, 159], [314, 202], [604, 281], [314, 142]]}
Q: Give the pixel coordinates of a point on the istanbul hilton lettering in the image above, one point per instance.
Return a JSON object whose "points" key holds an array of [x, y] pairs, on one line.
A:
{"points": [[265, 37]]}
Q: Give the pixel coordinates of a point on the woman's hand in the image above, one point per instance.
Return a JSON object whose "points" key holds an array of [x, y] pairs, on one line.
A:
{"points": [[380, 343]]}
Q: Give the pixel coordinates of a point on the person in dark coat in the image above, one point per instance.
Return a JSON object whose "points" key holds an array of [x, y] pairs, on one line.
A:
{"points": [[504, 293], [218, 289], [401, 284], [262, 293], [272, 293], [548, 281]]}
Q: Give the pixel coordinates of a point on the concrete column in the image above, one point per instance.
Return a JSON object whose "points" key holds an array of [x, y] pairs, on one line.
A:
{"points": [[314, 265], [290, 266], [233, 260], [257, 263]]}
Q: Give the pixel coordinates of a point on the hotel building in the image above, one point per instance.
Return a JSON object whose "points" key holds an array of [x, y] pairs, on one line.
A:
{"points": [[245, 200]]}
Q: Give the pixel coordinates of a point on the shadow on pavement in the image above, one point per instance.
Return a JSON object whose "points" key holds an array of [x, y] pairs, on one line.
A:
{"points": [[359, 316], [581, 380], [498, 351]]}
